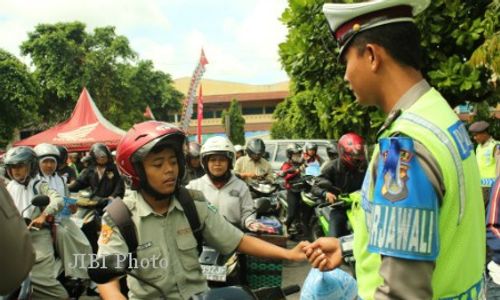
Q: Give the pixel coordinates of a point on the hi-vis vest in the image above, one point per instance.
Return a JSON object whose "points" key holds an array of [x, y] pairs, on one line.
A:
{"points": [[460, 242], [486, 162]]}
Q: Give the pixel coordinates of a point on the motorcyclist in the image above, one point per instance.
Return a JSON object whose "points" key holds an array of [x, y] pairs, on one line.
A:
{"points": [[70, 240], [63, 169], [332, 151], [291, 170], [102, 177], [151, 156], [194, 168], [222, 188], [239, 151], [21, 164], [254, 166], [311, 153], [346, 174]]}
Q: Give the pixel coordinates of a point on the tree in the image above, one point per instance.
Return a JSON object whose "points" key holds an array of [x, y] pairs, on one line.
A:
{"points": [[236, 123], [18, 96], [67, 58], [451, 31]]}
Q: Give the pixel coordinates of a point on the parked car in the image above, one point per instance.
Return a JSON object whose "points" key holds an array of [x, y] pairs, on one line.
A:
{"points": [[276, 150]]}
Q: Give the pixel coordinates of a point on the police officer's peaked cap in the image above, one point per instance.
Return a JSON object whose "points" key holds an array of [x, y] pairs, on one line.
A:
{"points": [[479, 126], [347, 20]]}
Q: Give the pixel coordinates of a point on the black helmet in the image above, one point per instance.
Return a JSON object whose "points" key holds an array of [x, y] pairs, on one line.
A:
{"points": [[21, 155], [311, 146], [292, 149], [98, 150], [332, 149], [256, 147], [63, 155]]}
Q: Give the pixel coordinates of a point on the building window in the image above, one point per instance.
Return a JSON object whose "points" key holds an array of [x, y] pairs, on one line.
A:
{"points": [[208, 114], [218, 113], [252, 110], [270, 109]]}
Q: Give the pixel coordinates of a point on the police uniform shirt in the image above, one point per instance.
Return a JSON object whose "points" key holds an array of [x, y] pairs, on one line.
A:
{"points": [[167, 243], [392, 268]]}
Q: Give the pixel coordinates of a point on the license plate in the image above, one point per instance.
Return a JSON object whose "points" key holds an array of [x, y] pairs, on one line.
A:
{"points": [[214, 273]]}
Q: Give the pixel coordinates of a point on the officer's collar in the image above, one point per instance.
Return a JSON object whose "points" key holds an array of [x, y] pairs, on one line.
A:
{"points": [[406, 101]]}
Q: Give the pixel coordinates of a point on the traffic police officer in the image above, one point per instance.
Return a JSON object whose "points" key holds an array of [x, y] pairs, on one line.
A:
{"points": [[151, 156], [419, 227], [487, 155]]}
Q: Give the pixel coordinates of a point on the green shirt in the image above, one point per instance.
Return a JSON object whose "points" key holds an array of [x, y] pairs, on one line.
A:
{"points": [[167, 243]]}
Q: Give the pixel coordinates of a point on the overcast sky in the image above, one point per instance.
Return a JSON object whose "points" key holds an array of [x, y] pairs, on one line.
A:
{"points": [[240, 37]]}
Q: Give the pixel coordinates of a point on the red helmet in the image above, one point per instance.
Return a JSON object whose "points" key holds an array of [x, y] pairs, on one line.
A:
{"points": [[352, 150], [139, 141]]}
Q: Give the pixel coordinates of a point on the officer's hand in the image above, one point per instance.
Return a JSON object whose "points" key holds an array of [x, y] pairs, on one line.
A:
{"points": [[297, 253], [330, 197], [38, 222], [325, 253]]}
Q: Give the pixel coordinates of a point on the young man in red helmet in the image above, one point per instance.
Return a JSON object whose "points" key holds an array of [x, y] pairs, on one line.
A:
{"points": [[342, 175], [151, 157]]}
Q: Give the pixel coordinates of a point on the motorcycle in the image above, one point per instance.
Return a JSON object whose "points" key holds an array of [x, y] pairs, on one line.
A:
{"points": [[112, 266], [320, 224], [224, 270]]}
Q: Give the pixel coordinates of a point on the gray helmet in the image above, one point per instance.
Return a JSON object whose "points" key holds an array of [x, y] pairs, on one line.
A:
{"points": [[291, 149], [193, 150], [98, 150], [256, 147], [21, 155]]}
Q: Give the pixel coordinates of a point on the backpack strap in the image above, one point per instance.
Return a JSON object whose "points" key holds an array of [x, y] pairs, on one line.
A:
{"points": [[35, 186], [187, 203], [121, 216]]}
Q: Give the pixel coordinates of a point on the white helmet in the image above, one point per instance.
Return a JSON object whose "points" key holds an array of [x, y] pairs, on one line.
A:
{"points": [[219, 145], [238, 148], [45, 150]]}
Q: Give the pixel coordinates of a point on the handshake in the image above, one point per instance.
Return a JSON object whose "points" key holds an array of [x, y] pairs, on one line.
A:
{"points": [[325, 253]]}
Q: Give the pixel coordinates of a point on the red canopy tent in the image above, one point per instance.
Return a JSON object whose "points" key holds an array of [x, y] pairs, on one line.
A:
{"points": [[85, 127]]}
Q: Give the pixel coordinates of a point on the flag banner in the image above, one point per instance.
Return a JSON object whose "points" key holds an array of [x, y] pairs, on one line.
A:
{"points": [[187, 111], [200, 114], [148, 113]]}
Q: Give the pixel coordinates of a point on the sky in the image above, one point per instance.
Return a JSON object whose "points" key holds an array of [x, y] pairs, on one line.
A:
{"points": [[240, 38]]}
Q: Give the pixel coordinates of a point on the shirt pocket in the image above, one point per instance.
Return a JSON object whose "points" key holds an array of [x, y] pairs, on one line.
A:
{"points": [[150, 263], [188, 253]]}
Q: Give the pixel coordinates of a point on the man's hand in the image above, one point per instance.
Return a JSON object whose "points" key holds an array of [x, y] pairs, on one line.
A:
{"points": [[39, 221], [297, 253], [330, 197], [325, 253]]}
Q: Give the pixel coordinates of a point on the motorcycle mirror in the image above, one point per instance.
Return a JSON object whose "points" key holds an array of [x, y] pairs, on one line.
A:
{"points": [[40, 201], [262, 205], [108, 267]]}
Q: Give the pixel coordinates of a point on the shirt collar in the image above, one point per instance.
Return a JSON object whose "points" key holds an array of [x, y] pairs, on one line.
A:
{"points": [[144, 209], [412, 95]]}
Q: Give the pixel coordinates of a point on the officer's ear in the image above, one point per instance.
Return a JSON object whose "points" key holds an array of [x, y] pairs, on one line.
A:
{"points": [[373, 55]]}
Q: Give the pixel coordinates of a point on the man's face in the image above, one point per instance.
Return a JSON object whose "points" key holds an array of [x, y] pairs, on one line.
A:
{"points": [[358, 75], [194, 162], [481, 137], [162, 170], [18, 172], [48, 166], [255, 157], [311, 152], [218, 164], [101, 160]]}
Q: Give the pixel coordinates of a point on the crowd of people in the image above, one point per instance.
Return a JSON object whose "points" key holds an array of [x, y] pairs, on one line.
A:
{"points": [[421, 223]]}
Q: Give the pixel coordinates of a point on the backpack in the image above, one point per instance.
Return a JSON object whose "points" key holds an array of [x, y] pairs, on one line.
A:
{"points": [[121, 216]]}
